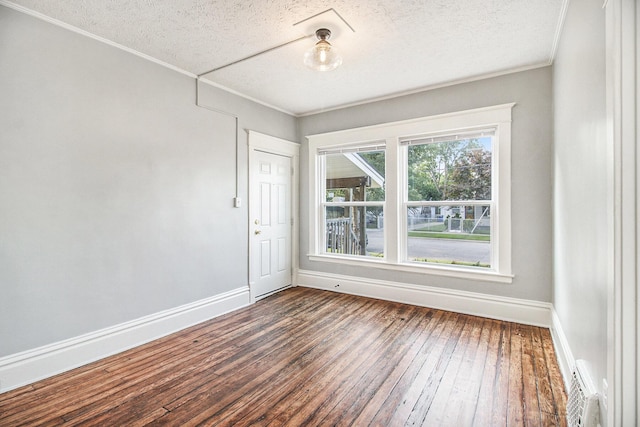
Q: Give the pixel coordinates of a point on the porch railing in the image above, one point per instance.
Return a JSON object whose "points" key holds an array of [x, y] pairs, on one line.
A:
{"points": [[341, 238]]}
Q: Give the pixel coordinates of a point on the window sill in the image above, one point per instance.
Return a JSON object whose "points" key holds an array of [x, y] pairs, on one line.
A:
{"points": [[469, 273]]}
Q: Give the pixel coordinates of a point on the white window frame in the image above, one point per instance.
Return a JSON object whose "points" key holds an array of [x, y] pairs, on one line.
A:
{"points": [[498, 116]]}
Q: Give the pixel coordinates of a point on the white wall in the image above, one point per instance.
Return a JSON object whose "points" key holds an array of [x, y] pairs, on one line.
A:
{"points": [[583, 212], [115, 189], [531, 174]]}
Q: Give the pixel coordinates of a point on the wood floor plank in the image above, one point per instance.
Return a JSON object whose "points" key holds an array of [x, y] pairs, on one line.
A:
{"points": [[342, 392], [151, 400], [383, 394], [398, 405], [364, 333], [22, 393], [322, 359], [150, 381], [515, 403], [434, 372], [555, 376], [543, 380], [484, 404], [500, 404], [287, 400], [473, 372], [379, 368], [529, 379], [267, 370], [326, 399], [310, 357], [453, 381]]}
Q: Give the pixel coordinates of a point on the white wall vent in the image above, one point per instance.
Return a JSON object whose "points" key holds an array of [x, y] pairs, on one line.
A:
{"points": [[583, 409]]}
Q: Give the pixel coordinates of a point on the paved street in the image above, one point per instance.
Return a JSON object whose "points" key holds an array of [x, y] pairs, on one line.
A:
{"points": [[460, 250]]}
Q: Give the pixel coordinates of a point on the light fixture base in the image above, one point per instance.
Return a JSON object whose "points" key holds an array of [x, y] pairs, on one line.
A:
{"points": [[323, 34]]}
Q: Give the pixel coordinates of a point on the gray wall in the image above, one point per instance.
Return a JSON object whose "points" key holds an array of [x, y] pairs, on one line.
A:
{"points": [[531, 174], [115, 189], [582, 185]]}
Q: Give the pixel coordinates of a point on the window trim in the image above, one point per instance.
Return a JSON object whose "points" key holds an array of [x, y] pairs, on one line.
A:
{"points": [[498, 116]]}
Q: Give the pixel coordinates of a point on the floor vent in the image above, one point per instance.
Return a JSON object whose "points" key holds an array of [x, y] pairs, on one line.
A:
{"points": [[583, 405]]}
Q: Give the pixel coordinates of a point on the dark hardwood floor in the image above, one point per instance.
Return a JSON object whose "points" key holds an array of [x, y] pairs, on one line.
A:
{"points": [[305, 357]]}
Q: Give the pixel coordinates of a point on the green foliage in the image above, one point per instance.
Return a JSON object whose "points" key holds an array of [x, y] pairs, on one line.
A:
{"points": [[337, 192], [452, 170], [449, 170], [376, 160], [471, 176]]}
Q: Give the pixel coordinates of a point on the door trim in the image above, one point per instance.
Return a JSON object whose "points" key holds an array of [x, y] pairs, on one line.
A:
{"points": [[623, 67], [270, 144]]}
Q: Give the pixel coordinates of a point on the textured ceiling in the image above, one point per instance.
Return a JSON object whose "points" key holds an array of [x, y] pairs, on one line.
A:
{"points": [[397, 46]]}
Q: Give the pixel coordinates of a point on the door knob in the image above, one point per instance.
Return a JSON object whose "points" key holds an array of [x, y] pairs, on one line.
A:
{"points": [[257, 232]]}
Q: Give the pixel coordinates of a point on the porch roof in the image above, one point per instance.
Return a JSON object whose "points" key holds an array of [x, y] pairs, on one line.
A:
{"points": [[350, 165]]}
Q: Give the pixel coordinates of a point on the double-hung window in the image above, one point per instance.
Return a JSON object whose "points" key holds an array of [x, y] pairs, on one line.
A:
{"points": [[447, 198], [428, 195], [353, 202]]}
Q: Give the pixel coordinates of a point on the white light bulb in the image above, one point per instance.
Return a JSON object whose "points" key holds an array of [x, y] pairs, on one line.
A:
{"points": [[323, 56]]}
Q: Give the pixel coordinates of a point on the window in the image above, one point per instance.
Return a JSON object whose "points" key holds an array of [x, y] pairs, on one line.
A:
{"points": [[429, 195], [353, 180], [447, 198]]}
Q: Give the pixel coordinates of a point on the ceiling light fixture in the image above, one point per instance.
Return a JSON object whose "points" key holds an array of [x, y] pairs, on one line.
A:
{"points": [[323, 56]]}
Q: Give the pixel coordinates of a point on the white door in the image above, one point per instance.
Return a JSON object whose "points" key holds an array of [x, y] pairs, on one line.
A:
{"points": [[270, 222]]}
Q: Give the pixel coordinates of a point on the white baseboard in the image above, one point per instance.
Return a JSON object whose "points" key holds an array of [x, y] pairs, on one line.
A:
{"points": [[563, 352], [502, 308], [29, 366]]}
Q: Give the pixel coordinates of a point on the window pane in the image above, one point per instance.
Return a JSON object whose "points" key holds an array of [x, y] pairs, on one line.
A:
{"points": [[457, 235], [354, 177], [354, 230], [450, 170]]}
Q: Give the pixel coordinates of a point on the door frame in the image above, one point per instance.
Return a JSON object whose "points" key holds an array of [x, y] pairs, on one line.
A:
{"points": [[270, 144], [623, 94]]}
